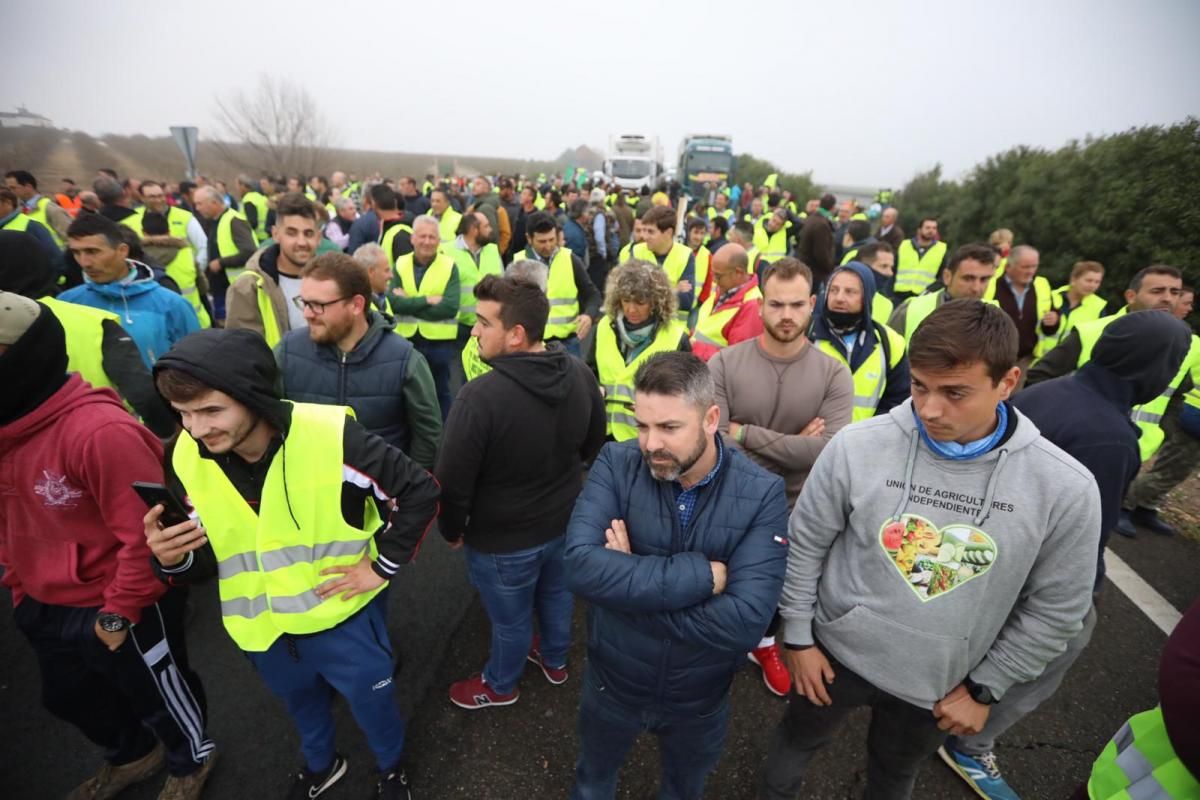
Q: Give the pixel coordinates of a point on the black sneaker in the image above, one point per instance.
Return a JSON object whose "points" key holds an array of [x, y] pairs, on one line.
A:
{"points": [[1148, 518], [393, 785], [308, 785]]}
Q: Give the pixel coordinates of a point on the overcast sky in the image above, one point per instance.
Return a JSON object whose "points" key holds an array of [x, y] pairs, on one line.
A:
{"points": [[859, 93]]}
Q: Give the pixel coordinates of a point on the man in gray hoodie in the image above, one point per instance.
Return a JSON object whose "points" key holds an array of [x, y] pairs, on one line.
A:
{"points": [[933, 561]]}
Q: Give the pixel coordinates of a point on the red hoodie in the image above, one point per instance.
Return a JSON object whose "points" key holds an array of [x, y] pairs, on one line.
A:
{"points": [[71, 530]]}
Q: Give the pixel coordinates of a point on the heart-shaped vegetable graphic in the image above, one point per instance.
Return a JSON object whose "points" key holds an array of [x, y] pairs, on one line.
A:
{"points": [[935, 561]]}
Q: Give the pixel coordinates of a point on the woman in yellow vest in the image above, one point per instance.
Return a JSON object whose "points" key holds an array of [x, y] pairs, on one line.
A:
{"points": [[846, 330], [639, 321], [302, 558], [1078, 299]]}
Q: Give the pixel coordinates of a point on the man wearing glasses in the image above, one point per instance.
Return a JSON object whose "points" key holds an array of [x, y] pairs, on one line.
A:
{"points": [[349, 354], [265, 297]]}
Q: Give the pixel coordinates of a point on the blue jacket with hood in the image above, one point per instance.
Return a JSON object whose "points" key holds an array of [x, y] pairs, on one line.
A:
{"points": [[154, 316], [868, 333]]}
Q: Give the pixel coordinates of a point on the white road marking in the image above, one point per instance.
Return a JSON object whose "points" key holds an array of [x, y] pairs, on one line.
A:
{"points": [[1152, 604]]}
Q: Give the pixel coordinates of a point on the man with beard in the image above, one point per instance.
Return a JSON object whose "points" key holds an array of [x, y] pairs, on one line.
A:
{"points": [[265, 298], [781, 400], [348, 355], [677, 544]]}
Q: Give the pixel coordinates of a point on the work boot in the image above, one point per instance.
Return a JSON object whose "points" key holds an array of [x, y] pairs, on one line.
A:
{"points": [[188, 787], [1125, 525], [113, 779], [1148, 518]]}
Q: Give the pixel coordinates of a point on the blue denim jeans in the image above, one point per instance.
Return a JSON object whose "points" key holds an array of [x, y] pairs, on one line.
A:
{"points": [[512, 587], [690, 745]]}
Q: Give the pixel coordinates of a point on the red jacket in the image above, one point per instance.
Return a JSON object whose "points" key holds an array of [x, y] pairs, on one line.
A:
{"points": [[71, 530], [746, 323]]}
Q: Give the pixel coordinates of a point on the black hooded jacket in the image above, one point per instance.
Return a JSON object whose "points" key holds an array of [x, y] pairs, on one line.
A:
{"points": [[514, 448], [25, 270], [1132, 363], [239, 363]]}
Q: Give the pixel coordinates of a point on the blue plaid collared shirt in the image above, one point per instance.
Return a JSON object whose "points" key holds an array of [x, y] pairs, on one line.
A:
{"points": [[685, 499]]}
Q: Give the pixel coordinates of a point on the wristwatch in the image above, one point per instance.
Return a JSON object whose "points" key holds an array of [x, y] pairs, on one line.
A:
{"points": [[980, 693], [112, 623]]}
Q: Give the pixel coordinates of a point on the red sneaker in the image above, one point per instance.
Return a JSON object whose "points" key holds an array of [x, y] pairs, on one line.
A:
{"points": [[775, 674], [556, 675], [473, 693]]}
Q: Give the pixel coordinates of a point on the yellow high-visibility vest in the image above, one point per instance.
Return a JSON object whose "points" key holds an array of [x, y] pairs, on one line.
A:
{"points": [[182, 268], [433, 283], [870, 379], [269, 564], [616, 377], [915, 273]]}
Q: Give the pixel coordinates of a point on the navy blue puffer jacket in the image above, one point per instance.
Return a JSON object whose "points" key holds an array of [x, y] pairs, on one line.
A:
{"points": [[370, 379], [657, 636]]}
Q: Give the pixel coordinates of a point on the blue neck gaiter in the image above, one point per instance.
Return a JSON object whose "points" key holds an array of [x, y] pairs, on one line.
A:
{"points": [[956, 451]]}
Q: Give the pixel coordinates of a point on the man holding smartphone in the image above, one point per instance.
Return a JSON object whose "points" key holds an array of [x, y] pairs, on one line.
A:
{"points": [[108, 636], [306, 517]]}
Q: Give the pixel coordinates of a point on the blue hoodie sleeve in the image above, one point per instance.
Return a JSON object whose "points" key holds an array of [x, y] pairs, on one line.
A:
{"points": [[622, 581], [736, 619], [183, 319]]}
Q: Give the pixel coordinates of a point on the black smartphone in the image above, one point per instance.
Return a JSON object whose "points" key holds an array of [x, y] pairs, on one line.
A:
{"points": [[154, 494]]}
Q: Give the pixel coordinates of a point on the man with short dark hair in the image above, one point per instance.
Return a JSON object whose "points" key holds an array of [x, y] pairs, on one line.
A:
{"points": [[511, 465], [37, 206], [900, 512], [781, 401], [348, 354], [153, 315], [415, 203], [575, 228], [264, 297], [574, 299], [1133, 362], [677, 544], [919, 260], [395, 227], [881, 258], [302, 555], [114, 201], [966, 277], [658, 246]]}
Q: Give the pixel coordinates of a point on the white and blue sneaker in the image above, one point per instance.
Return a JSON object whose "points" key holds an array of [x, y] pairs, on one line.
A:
{"points": [[980, 772]]}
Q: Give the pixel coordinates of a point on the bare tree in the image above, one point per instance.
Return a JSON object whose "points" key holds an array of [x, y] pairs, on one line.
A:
{"points": [[277, 128]]}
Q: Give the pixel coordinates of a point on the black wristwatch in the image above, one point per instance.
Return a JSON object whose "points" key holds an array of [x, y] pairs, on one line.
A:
{"points": [[112, 623], [980, 693]]}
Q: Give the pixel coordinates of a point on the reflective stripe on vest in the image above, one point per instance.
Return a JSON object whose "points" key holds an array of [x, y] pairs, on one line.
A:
{"points": [[84, 331], [470, 273], [870, 379], [914, 273], [674, 265], [1147, 416], [772, 246], [268, 565], [433, 283], [1139, 763], [616, 377], [563, 295]]}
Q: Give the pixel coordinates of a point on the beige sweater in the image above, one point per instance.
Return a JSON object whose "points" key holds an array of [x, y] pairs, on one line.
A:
{"points": [[775, 399]]}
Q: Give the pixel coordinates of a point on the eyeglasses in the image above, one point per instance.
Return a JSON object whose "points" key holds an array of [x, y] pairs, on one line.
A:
{"points": [[314, 306]]}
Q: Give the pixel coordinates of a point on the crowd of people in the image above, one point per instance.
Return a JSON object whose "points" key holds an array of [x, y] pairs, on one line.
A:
{"points": [[743, 427]]}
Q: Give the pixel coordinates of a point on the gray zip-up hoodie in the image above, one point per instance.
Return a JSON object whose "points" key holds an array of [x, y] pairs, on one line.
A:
{"points": [[915, 570]]}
